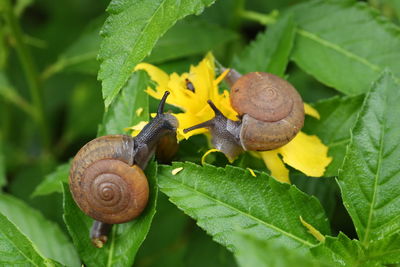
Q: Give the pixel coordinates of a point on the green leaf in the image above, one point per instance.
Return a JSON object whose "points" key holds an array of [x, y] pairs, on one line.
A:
{"points": [[45, 234], [371, 173], [24, 182], [53, 182], [386, 251], [187, 38], [253, 251], [324, 189], [309, 88], [122, 113], [125, 239], [341, 251], [223, 201], [270, 51], [131, 31], [17, 250], [345, 44], [338, 115]]}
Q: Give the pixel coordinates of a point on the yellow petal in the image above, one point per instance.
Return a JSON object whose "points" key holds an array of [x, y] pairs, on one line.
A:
{"points": [[312, 230], [202, 77], [252, 172], [221, 77], [176, 170], [187, 120], [307, 154], [213, 150], [223, 102], [275, 165], [208, 152], [155, 94], [156, 74], [139, 111], [136, 128], [309, 110], [180, 96]]}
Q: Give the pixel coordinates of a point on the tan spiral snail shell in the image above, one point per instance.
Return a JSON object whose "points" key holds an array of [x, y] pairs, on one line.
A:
{"points": [[272, 110], [104, 182]]}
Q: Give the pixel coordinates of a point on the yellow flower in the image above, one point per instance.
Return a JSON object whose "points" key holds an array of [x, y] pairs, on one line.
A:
{"points": [[193, 104], [191, 91]]}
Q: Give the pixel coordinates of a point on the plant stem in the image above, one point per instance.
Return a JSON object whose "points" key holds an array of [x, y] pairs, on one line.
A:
{"points": [[12, 96], [239, 6], [29, 69], [264, 19]]}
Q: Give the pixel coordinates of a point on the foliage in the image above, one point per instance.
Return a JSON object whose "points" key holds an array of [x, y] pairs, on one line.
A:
{"points": [[342, 55], [124, 46], [256, 212], [370, 175]]}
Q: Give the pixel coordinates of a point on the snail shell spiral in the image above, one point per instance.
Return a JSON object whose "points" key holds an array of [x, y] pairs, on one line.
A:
{"points": [[104, 183], [272, 110]]}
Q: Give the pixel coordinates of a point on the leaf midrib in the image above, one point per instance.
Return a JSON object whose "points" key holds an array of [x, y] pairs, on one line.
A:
{"points": [[245, 214], [111, 251], [15, 246], [338, 142], [141, 34], [339, 49], [377, 175], [150, 21], [334, 46]]}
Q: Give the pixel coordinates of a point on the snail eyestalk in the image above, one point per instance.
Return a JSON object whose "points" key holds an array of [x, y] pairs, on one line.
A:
{"points": [[210, 123], [160, 109], [146, 141]]}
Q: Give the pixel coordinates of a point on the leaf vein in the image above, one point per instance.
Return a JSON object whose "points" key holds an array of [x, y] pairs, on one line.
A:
{"points": [[337, 48], [376, 178]]}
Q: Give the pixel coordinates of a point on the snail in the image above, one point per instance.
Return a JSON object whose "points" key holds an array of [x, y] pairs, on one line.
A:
{"points": [[271, 113], [106, 177]]}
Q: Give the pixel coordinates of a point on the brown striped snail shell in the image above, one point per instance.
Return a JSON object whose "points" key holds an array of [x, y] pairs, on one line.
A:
{"points": [[271, 113]]}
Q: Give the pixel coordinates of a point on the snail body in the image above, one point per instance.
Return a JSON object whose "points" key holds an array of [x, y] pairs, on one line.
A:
{"points": [[270, 110], [106, 177]]}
